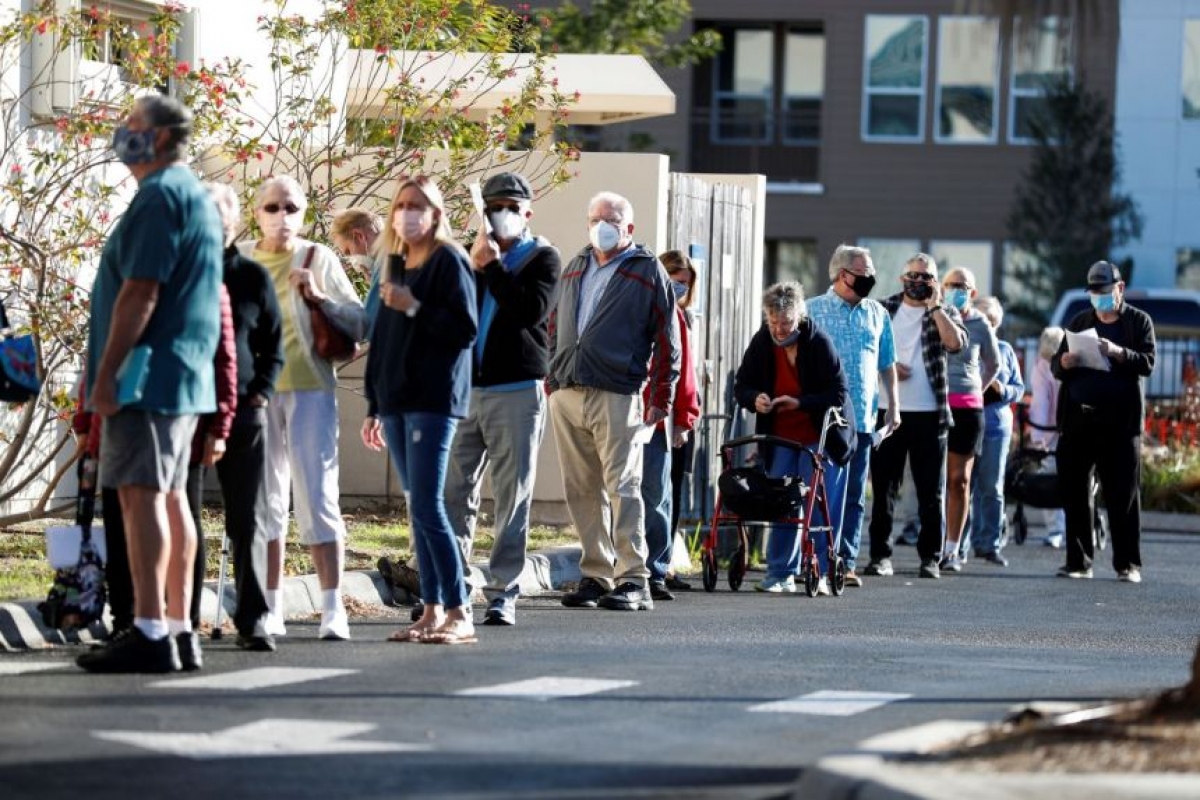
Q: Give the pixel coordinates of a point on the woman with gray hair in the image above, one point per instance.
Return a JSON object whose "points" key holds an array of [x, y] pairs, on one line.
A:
{"points": [[789, 377], [302, 418], [1043, 419]]}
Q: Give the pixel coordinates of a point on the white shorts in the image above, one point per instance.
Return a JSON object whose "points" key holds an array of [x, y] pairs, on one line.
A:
{"points": [[302, 448]]}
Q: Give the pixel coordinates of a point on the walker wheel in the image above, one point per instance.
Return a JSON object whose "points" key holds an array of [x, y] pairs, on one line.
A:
{"points": [[708, 570], [811, 572], [737, 568], [837, 576]]}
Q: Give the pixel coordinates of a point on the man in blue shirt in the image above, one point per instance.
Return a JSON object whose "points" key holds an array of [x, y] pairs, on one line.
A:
{"points": [[861, 331], [156, 293]]}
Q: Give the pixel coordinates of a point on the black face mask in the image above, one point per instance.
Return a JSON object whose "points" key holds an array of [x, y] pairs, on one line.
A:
{"points": [[918, 291], [861, 285]]}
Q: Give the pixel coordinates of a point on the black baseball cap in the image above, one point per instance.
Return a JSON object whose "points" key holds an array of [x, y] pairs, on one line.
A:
{"points": [[1102, 275], [508, 185]]}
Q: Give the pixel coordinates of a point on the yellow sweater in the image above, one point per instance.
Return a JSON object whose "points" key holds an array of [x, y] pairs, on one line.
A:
{"points": [[297, 373]]}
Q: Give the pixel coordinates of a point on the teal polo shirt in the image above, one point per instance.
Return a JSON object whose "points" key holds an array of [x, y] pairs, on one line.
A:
{"points": [[171, 233]]}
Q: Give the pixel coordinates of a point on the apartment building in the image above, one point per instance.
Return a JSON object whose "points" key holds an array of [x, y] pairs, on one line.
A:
{"points": [[901, 125]]}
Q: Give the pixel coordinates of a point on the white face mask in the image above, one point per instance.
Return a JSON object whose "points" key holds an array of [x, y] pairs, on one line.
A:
{"points": [[410, 224], [507, 224], [361, 261], [605, 236], [280, 226]]}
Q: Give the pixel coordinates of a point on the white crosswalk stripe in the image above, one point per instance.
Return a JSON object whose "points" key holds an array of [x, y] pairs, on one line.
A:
{"points": [[546, 688], [830, 703], [247, 679]]}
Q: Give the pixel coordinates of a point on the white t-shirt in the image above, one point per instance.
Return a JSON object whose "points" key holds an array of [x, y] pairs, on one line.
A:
{"points": [[916, 394]]}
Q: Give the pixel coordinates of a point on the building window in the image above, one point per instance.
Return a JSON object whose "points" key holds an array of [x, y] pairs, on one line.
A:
{"points": [[889, 257], [975, 256], [795, 260], [1041, 56], [769, 86], [967, 79], [1187, 268], [894, 78], [1191, 69]]}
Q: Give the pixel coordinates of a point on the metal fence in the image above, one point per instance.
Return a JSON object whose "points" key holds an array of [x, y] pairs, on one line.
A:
{"points": [[1175, 359]]}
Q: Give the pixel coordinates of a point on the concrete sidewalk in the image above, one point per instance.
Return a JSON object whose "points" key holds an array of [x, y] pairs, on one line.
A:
{"points": [[545, 571]]}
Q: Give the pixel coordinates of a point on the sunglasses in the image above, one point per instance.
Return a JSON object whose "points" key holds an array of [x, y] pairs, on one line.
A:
{"points": [[492, 208], [957, 286], [275, 208], [918, 277]]}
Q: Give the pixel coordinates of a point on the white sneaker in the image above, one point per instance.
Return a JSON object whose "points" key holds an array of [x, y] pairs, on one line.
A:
{"points": [[777, 585], [1131, 575], [1054, 540], [273, 625], [335, 626], [823, 587]]}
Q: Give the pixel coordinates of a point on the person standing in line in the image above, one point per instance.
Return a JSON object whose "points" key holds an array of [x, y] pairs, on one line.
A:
{"points": [[614, 328], [516, 285], [158, 287], [302, 419], [354, 232], [1101, 412], [669, 435], [861, 332], [1043, 421], [925, 331], [258, 336], [418, 386], [969, 370], [987, 493]]}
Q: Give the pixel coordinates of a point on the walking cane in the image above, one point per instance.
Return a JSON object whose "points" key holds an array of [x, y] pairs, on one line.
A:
{"points": [[216, 631]]}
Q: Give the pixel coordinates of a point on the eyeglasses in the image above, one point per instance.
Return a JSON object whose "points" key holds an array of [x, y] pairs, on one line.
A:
{"points": [[918, 277], [275, 208]]}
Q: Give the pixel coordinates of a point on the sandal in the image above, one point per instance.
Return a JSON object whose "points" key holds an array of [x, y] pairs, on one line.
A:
{"points": [[414, 633], [451, 634]]}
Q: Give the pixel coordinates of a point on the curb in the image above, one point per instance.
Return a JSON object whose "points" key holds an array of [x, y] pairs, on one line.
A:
{"points": [[545, 571], [878, 771]]}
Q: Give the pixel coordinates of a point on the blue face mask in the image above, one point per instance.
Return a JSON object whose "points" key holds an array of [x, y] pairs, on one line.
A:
{"points": [[1103, 302], [680, 290], [958, 298], [134, 147]]}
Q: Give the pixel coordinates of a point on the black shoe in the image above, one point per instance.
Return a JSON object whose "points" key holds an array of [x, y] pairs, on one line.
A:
{"points": [[929, 569], [255, 643], [675, 584], [188, 646], [628, 597], [133, 653], [586, 596], [659, 591], [994, 558], [115, 635], [501, 611]]}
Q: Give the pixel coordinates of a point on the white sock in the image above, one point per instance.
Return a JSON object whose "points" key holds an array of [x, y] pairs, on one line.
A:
{"points": [[178, 626], [153, 629], [273, 598], [331, 599]]}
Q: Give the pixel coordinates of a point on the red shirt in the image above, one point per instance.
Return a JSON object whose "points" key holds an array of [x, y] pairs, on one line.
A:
{"points": [[796, 425]]}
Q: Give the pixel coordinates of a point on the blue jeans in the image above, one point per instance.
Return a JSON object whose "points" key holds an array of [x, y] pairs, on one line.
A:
{"points": [[987, 496], [850, 486], [419, 444], [656, 497], [783, 545]]}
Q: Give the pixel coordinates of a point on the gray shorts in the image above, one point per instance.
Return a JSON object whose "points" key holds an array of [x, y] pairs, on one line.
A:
{"points": [[141, 448]]}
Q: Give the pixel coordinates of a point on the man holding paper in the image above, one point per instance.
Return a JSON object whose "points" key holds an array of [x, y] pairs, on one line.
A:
{"points": [[1108, 350]]}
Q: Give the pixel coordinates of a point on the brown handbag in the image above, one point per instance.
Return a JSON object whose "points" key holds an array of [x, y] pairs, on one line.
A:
{"points": [[329, 341]]}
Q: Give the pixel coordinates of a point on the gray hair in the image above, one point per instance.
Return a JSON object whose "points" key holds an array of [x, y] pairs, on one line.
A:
{"points": [[990, 307], [1049, 342], [164, 111], [785, 297], [226, 201], [925, 259], [286, 182], [621, 205], [844, 257]]}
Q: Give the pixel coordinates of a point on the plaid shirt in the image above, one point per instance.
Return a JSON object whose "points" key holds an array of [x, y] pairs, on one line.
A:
{"points": [[933, 352]]}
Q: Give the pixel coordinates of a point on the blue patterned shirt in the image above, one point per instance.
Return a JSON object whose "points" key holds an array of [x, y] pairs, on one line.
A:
{"points": [[862, 336]]}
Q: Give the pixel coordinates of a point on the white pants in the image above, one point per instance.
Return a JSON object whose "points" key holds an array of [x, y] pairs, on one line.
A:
{"points": [[302, 444]]}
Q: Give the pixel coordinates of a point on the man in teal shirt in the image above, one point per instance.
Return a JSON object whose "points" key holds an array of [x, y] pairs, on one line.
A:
{"points": [[157, 293]]}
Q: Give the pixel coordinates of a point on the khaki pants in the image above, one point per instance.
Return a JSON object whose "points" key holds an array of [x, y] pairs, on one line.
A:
{"points": [[602, 476]]}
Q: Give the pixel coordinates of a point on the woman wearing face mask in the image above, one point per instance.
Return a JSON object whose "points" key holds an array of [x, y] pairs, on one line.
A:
{"points": [[967, 373], [789, 377], [417, 386], [663, 461], [302, 418]]}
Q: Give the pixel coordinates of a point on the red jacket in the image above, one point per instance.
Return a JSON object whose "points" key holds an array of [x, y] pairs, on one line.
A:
{"points": [[686, 408], [217, 424]]}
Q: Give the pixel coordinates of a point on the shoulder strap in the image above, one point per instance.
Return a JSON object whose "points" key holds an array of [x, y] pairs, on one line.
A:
{"points": [[308, 257]]}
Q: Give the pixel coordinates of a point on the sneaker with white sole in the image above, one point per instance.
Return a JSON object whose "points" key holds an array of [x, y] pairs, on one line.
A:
{"points": [[951, 563], [823, 587], [1131, 575], [273, 625], [335, 626], [1054, 540], [1079, 574], [777, 585], [882, 568]]}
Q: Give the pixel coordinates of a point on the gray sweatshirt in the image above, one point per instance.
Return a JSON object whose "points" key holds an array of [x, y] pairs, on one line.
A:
{"points": [[975, 366]]}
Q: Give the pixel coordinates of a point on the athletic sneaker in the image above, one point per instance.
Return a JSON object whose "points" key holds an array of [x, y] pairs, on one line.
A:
{"points": [[823, 587], [1131, 575], [1067, 572], [929, 569], [777, 585], [882, 567], [951, 563]]}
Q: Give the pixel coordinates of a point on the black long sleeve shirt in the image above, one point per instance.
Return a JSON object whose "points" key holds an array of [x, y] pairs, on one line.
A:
{"points": [[257, 324]]}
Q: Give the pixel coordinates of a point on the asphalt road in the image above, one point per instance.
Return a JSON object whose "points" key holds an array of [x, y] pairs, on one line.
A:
{"points": [[681, 718]]}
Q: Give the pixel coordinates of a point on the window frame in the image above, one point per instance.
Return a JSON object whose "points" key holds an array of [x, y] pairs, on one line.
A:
{"points": [[781, 120], [1015, 93], [718, 94], [938, 138], [920, 93], [1186, 120]]}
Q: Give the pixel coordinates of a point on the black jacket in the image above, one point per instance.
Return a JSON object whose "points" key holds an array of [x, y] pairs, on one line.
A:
{"points": [[517, 346], [822, 382], [1127, 407], [257, 325]]}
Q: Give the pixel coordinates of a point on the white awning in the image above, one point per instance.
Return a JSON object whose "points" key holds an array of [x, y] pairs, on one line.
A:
{"points": [[611, 88]]}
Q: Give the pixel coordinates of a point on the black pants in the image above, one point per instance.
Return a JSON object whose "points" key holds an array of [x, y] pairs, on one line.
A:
{"points": [[681, 462], [1093, 442], [194, 487], [242, 472], [116, 571], [921, 440]]}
